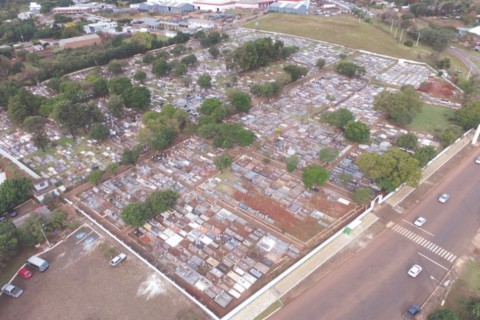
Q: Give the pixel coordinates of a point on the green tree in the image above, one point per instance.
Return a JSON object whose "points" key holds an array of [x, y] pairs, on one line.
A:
{"points": [[473, 308], [240, 100], [136, 214], [209, 106], [115, 67], [424, 155], [100, 87], [137, 98], [204, 81], [30, 233], [223, 161], [328, 154], [99, 131], [95, 177], [349, 69], [295, 72], [161, 68], [14, 192], [161, 201], [119, 85], [35, 125], [469, 115], [214, 52], [362, 196], [390, 169], [292, 163], [338, 118], [189, 60], [442, 314], [57, 218], [24, 104], [314, 175], [130, 156], [407, 141], [8, 239], [450, 134], [163, 137], [112, 167], [116, 105], [400, 107], [320, 63], [357, 131], [140, 76]]}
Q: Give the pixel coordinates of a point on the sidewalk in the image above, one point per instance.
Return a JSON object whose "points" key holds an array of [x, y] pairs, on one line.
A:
{"points": [[274, 293], [405, 191]]}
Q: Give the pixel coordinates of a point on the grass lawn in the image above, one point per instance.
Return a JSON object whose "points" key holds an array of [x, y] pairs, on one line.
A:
{"points": [[432, 117], [348, 32], [466, 287], [12, 265], [270, 310]]}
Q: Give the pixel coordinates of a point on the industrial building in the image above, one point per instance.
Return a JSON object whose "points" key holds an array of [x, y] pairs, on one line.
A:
{"points": [[288, 7], [100, 26]]}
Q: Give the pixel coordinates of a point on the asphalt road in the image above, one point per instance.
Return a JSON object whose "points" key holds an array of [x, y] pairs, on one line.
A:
{"points": [[466, 58], [374, 283]]}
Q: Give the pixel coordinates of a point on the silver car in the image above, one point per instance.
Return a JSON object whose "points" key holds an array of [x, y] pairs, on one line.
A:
{"points": [[11, 290], [443, 198], [116, 260]]}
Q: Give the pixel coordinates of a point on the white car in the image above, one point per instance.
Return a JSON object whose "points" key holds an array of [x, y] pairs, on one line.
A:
{"points": [[477, 161], [414, 271], [420, 221], [116, 260], [443, 198]]}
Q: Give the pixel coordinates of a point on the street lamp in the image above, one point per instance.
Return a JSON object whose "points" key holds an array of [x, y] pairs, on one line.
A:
{"points": [[41, 229]]}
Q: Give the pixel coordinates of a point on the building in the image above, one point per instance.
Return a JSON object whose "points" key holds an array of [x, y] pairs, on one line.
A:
{"points": [[173, 7], [100, 26], [475, 30], [288, 7], [146, 24], [24, 15], [215, 5], [34, 8], [82, 41], [42, 189], [71, 10]]}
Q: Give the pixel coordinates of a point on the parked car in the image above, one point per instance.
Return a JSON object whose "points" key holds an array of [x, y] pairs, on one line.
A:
{"points": [[12, 213], [443, 198], [25, 273], [420, 221], [412, 312], [414, 271], [477, 161], [116, 260], [2, 218], [11, 290]]}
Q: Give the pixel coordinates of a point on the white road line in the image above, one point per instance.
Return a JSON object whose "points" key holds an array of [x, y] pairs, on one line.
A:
{"points": [[453, 258], [449, 256], [423, 242], [441, 252], [418, 239], [431, 245], [410, 235], [438, 250], [396, 228], [438, 264], [85, 236], [429, 233], [404, 232]]}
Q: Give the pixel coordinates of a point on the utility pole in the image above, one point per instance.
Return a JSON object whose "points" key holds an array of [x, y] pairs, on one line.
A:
{"points": [[395, 36], [418, 38], [41, 229], [401, 34], [391, 26], [469, 71]]}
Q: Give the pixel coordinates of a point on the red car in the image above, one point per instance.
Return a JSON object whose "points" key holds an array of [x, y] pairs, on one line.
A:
{"points": [[25, 273]]}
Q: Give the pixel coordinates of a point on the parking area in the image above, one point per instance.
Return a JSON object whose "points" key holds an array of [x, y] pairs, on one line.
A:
{"points": [[80, 284]]}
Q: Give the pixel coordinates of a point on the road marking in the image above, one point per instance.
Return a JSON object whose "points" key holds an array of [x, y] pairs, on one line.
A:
{"points": [[438, 264], [438, 250], [85, 236], [442, 252], [423, 242], [431, 245], [417, 239], [418, 228]]}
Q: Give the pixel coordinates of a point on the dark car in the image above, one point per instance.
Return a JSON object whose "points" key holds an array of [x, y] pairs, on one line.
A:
{"points": [[12, 213], [3, 218], [412, 312]]}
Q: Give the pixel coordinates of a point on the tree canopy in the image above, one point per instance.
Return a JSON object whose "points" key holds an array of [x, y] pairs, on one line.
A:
{"points": [[295, 72], [240, 100], [349, 69], [469, 115], [223, 161], [442, 314], [314, 175], [14, 192], [8, 239], [407, 141], [400, 107], [338, 118], [357, 131], [328, 154], [390, 169]]}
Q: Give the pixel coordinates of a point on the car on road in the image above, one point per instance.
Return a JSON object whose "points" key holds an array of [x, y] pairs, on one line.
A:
{"points": [[412, 312], [477, 161], [420, 221], [11, 290], [117, 259], [25, 273], [443, 198], [3, 218], [414, 271], [12, 213]]}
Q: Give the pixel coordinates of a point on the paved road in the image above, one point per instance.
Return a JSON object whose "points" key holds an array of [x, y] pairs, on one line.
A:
{"points": [[466, 58], [374, 284]]}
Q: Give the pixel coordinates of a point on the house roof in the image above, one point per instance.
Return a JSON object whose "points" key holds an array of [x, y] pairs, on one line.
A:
{"points": [[81, 38]]}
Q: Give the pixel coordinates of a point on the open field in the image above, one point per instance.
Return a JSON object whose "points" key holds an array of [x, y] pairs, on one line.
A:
{"points": [[80, 284], [467, 286], [431, 118], [349, 32]]}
